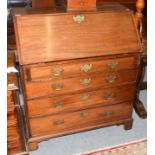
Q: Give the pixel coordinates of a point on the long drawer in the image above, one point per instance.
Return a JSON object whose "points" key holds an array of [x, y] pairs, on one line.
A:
{"points": [[64, 69], [69, 85], [72, 102], [57, 124]]}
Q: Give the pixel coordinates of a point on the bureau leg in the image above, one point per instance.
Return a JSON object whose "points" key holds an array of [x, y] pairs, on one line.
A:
{"points": [[139, 108], [128, 125], [33, 146]]}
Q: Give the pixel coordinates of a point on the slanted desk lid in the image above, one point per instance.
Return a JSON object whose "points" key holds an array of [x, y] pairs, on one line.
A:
{"points": [[63, 36]]}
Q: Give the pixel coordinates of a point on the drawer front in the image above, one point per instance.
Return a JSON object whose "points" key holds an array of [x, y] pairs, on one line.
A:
{"points": [[81, 5], [78, 120], [69, 85], [83, 100], [56, 70]]}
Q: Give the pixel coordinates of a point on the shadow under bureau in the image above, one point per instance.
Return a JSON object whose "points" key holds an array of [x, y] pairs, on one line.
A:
{"points": [[78, 70]]}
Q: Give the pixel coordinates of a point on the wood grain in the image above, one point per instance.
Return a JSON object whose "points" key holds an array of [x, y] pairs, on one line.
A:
{"points": [[76, 120], [55, 42], [74, 102]]}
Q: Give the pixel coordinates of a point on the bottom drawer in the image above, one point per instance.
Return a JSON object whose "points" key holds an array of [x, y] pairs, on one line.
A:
{"points": [[62, 123]]}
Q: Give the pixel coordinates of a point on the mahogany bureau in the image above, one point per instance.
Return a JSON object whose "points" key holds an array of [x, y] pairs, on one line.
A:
{"points": [[79, 69], [15, 134]]}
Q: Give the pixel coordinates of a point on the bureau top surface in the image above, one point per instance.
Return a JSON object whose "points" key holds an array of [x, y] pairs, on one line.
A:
{"points": [[44, 36]]}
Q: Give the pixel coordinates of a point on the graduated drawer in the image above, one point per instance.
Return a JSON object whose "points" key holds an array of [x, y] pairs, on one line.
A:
{"points": [[59, 69], [72, 102], [58, 124], [68, 85]]}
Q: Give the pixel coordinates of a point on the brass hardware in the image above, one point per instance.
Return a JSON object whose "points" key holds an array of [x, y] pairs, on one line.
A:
{"points": [[84, 97], [107, 114], [78, 18], [57, 86], [58, 104], [58, 122], [109, 96], [113, 64], [111, 78], [84, 114], [85, 81], [57, 71], [86, 67]]}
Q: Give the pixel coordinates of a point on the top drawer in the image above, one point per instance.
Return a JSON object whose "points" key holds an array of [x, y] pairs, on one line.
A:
{"points": [[63, 36], [59, 69]]}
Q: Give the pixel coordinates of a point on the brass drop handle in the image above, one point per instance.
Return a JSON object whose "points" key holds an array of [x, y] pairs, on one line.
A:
{"points": [[58, 104], [109, 95], [57, 71], [107, 113], [57, 86], [113, 64], [85, 81], [111, 78], [84, 114], [58, 122], [78, 18], [84, 97], [86, 67]]}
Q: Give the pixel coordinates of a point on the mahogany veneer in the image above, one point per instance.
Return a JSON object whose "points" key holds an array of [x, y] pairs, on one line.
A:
{"points": [[79, 70]]}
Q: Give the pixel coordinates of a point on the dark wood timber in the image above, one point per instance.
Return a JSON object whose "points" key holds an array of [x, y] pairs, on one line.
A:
{"points": [[79, 69], [43, 3]]}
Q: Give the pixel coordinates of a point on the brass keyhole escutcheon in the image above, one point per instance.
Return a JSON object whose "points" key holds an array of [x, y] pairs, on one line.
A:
{"points": [[57, 86], [111, 78], [84, 97], [58, 122], [79, 18], [113, 64], [57, 71], [85, 81], [57, 104], [86, 67], [109, 95], [84, 114], [107, 113]]}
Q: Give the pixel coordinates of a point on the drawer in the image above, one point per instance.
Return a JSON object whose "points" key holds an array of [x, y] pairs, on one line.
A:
{"points": [[69, 85], [81, 5], [52, 105], [59, 69], [58, 124]]}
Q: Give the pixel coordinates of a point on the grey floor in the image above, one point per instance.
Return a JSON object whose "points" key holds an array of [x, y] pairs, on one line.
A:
{"points": [[95, 139]]}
